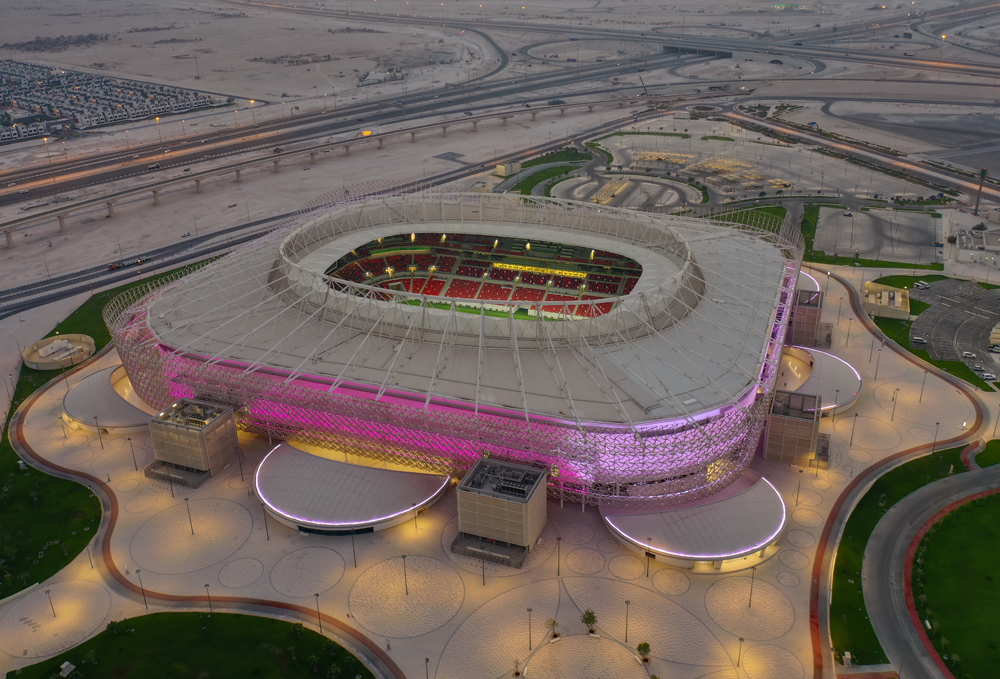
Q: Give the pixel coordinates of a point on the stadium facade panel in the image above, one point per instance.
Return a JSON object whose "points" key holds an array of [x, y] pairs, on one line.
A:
{"points": [[653, 396]]}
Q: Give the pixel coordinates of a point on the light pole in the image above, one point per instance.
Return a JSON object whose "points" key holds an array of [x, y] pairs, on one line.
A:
{"points": [[47, 154], [848, 342], [798, 489], [98, 427], [239, 460], [413, 506], [649, 549], [353, 550], [753, 573], [427, 662], [184, 131], [209, 595], [127, 146], [627, 602], [836, 400], [268, 533], [138, 572], [406, 585], [878, 359], [529, 629], [853, 429], [934, 445], [187, 503], [559, 539], [997, 424], [254, 114], [319, 620], [134, 463], [920, 400], [739, 653], [48, 593], [158, 133], [894, 394]]}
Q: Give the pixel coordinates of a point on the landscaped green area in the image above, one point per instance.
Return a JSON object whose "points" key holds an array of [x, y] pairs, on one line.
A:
{"points": [[526, 185], [810, 216], [956, 587], [597, 149], [767, 217], [561, 156], [41, 514], [713, 137], [990, 455], [647, 134], [172, 645], [849, 625]]}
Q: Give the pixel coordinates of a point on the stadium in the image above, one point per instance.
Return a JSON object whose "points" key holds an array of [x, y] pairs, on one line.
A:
{"points": [[631, 355]]}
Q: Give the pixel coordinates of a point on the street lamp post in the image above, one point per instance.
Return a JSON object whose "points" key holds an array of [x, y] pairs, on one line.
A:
{"points": [[753, 572], [406, 585], [239, 460], [934, 445], [47, 154], [98, 427], [354, 551], [529, 629], [184, 132], [134, 463], [922, 383], [848, 342], [836, 400], [209, 595], [798, 489], [739, 653], [627, 602], [854, 428], [267, 532], [48, 593], [138, 572], [427, 662], [319, 620], [254, 114], [893, 416], [559, 539], [878, 360], [649, 549], [187, 503], [127, 145], [158, 133]]}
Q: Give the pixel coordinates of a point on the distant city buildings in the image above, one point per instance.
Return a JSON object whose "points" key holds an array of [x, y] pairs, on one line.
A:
{"points": [[35, 98]]}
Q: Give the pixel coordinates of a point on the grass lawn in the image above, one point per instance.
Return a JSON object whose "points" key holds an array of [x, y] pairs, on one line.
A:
{"points": [[768, 217], [597, 149], [174, 645], [717, 138], [849, 625], [563, 156], [986, 286], [38, 508], [957, 588], [899, 332], [810, 216], [525, 185], [991, 455], [908, 281]]}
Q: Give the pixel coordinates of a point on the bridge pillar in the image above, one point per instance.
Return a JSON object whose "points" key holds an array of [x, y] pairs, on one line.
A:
{"points": [[197, 186], [444, 130], [111, 208], [10, 241], [238, 179], [347, 149], [504, 119], [475, 125], [275, 166], [620, 104], [62, 223], [533, 114], [590, 108], [562, 111], [413, 137], [312, 157], [156, 200], [380, 142]]}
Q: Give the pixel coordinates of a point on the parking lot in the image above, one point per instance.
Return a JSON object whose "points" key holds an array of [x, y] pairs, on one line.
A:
{"points": [[891, 235], [960, 318]]}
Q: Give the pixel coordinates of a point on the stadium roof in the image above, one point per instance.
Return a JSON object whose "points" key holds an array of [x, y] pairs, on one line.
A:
{"points": [[690, 337]]}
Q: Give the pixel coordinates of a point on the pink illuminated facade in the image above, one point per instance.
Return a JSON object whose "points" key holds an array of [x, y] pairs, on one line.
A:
{"points": [[659, 401]]}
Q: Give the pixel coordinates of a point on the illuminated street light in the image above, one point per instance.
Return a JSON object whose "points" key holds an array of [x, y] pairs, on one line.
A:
{"points": [[254, 114], [158, 133]]}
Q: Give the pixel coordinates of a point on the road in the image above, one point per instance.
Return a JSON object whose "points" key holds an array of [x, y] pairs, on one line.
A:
{"points": [[882, 572]]}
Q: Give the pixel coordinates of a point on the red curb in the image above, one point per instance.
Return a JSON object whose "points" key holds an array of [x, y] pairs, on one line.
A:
{"points": [[820, 649], [967, 455], [908, 574], [109, 563]]}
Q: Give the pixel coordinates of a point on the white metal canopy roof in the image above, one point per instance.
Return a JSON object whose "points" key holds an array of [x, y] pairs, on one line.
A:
{"points": [[690, 337]]}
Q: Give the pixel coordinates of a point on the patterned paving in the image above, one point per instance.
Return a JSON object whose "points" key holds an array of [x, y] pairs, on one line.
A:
{"points": [[240, 573], [581, 657], [770, 616], [576, 533], [627, 567], [536, 557], [800, 538], [164, 544], [788, 579], [771, 662], [585, 561], [380, 603], [28, 629], [794, 559], [671, 582], [807, 518], [140, 503], [307, 571]]}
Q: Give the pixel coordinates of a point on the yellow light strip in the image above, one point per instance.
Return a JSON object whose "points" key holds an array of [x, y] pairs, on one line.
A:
{"points": [[538, 269]]}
